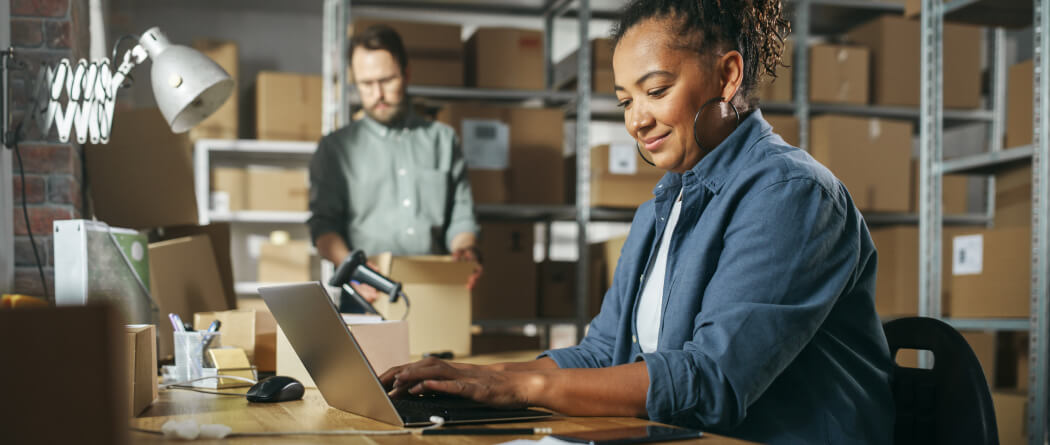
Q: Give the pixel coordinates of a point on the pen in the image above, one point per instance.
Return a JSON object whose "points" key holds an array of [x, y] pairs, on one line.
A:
{"points": [[215, 325], [487, 431], [176, 322]]}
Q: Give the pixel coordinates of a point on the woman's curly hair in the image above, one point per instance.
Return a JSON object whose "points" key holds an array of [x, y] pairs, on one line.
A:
{"points": [[755, 28]]}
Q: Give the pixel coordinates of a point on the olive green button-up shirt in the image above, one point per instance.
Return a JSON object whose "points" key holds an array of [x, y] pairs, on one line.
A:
{"points": [[400, 189]]}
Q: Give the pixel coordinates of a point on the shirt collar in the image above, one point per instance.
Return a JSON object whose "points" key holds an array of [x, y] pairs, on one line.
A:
{"points": [[722, 162]]}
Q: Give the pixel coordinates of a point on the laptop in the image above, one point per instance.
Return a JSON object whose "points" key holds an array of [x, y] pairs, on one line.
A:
{"points": [[343, 375]]}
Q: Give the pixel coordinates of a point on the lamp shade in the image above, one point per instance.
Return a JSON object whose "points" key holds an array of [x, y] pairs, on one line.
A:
{"points": [[187, 85]]}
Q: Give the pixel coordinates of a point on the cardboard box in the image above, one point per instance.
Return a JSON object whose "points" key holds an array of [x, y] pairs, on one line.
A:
{"points": [[144, 177], [954, 192], [1011, 416], [237, 329], [786, 125], [141, 342], [897, 281], [505, 58], [557, 286], [436, 285], [1012, 361], [895, 56], [489, 186], [838, 74], [1013, 197], [277, 189], [287, 106], [229, 189], [991, 273], [219, 235], [566, 71], [290, 261], [223, 123], [384, 343], [619, 178], [780, 89], [507, 287], [64, 370], [536, 148], [1019, 104], [265, 334], [984, 345], [872, 157], [184, 279], [435, 51]]}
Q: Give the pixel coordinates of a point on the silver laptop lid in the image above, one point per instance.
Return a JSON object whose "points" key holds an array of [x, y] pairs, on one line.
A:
{"points": [[328, 350]]}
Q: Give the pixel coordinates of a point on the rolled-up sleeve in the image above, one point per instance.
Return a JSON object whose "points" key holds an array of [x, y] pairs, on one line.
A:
{"points": [[788, 254], [329, 200], [461, 206]]}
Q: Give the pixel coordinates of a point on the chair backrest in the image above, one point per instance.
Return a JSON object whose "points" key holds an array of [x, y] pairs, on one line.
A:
{"points": [[949, 404]]}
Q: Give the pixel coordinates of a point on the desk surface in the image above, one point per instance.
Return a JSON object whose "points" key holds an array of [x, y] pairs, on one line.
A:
{"points": [[313, 414]]}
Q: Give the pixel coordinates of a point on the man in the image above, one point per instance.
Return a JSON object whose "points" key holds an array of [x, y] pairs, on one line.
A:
{"points": [[391, 181]]}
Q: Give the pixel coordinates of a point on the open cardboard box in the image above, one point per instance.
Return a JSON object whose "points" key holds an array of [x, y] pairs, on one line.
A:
{"points": [[384, 343]]}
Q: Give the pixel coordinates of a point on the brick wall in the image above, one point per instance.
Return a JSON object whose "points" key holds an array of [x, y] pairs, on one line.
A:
{"points": [[44, 31]]}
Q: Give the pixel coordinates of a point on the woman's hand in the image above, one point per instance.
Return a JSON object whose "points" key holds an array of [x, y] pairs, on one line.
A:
{"points": [[483, 384]]}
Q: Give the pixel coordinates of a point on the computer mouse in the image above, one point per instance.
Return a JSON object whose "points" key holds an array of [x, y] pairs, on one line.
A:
{"points": [[277, 388]]}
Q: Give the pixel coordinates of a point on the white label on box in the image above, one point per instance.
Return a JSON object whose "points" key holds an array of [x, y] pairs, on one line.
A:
{"points": [[967, 255], [486, 144], [622, 159], [220, 201]]}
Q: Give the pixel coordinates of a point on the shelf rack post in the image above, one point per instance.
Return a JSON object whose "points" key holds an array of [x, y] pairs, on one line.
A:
{"points": [[1039, 329]]}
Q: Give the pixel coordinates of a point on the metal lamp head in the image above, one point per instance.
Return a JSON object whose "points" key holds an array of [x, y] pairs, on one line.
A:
{"points": [[187, 85]]}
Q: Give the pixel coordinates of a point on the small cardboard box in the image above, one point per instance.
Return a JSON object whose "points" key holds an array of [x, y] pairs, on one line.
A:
{"points": [[277, 189], [144, 177], [439, 319], [223, 123], [1013, 197], [141, 342], [619, 178], [507, 287], [435, 51], [384, 343], [991, 273], [566, 71], [265, 358], [1011, 416], [1019, 104], [838, 74], [871, 156], [894, 43], [505, 58], [897, 283], [786, 126], [780, 89], [1012, 361], [557, 287], [229, 189], [536, 156], [954, 192], [288, 262], [219, 235], [237, 329], [64, 369], [983, 344], [287, 106], [185, 280]]}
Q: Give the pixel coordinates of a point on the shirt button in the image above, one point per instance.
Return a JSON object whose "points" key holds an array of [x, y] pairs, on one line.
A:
{"points": [[410, 231], [634, 339], [401, 172], [641, 277], [407, 203]]}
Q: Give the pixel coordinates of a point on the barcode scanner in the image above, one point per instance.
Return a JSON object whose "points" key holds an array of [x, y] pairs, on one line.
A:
{"points": [[355, 268]]}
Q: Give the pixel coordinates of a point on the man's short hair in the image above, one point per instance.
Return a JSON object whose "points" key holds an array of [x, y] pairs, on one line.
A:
{"points": [[382, 37]]}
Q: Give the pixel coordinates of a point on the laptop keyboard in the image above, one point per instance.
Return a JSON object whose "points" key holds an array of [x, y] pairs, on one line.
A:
{"points": [[419, 409]]}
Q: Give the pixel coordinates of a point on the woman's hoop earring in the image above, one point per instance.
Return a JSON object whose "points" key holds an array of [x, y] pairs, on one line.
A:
{"points": [[696, 135]]}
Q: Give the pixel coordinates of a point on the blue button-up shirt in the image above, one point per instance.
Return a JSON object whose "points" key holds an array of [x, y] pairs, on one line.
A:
{"points": [[768, 331]]}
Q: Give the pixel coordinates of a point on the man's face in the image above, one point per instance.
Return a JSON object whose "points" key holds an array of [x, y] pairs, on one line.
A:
{"points": [[380, 82]]}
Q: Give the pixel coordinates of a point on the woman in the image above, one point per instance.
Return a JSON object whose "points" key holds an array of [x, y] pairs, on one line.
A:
{"points": [[743, 301]]}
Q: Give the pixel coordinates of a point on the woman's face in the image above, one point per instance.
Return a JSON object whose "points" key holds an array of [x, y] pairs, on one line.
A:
{"points": [[660, 88]]}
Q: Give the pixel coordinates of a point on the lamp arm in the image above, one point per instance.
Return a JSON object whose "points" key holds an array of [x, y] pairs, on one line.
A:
{"points": [[132, 58]]}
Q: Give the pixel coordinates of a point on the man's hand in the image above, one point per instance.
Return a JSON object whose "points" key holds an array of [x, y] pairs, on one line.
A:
{"points": [[432, 375], [469, 253], [367, 292]]}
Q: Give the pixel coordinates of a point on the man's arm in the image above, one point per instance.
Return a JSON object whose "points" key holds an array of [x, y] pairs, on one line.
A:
{"points": [[332, 247]]}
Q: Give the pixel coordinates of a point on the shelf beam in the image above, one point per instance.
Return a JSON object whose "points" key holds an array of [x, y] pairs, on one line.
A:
{"points": [[989, 162]]}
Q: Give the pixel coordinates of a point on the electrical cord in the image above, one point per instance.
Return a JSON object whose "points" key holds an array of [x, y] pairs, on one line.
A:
{"points": [[187, 385], [16, 138], [190, 430], [113, 57], [407, 305]]}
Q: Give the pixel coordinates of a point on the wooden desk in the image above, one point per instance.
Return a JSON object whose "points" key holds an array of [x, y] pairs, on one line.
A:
{"points": [[312, 414]]}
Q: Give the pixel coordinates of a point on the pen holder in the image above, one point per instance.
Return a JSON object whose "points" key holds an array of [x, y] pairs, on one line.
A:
{"points": [[190, 353]]}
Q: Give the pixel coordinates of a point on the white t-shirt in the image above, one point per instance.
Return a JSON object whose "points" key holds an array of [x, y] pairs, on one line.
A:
{"points": [[650, 307]]}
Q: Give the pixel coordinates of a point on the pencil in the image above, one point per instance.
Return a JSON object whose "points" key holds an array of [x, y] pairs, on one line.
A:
{"points": [[487, 431]]}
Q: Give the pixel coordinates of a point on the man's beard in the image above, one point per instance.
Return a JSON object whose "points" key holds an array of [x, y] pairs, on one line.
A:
{"points": [[398, 112]]}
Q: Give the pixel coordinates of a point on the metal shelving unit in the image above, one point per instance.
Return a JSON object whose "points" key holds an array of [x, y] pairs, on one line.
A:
{"points": [[932, 167]]}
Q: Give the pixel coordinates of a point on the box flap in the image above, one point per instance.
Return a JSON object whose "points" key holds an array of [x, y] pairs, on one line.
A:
{"points": [[427, 269], [219, 234]]}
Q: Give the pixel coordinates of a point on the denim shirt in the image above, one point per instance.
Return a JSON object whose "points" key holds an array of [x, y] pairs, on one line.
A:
{"points": [[768, 331]]}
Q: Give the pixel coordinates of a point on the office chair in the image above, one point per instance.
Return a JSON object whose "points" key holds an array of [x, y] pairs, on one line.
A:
{"points": [[949, 404]]}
